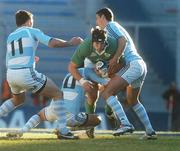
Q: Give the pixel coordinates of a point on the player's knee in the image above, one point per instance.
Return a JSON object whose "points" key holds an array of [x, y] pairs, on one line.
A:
{"points": [[93, 120], [91, 98], [18, 101], [42, 115], [58, 95], [106, 94]]}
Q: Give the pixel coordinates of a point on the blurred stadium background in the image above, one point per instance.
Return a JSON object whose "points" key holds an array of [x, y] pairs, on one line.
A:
{"points": [[154, 26]]}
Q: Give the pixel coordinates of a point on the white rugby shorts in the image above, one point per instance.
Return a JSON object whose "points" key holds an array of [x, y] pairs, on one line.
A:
{"points": [[26, 79], [134, 73]]}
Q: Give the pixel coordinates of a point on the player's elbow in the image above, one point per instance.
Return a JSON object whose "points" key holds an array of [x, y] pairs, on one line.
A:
{"points": [[71, 67], [52, 43]]}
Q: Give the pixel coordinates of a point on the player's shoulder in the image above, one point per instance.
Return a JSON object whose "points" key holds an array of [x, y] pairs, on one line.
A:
{"points": [[86, 43], [113, 24], [33, 30]]}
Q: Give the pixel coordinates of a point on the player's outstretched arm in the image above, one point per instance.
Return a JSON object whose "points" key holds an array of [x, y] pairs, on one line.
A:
{"points": [[55, 42]]}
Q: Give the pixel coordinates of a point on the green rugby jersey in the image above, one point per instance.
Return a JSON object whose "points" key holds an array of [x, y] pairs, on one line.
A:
{"points": [[86, 50]]}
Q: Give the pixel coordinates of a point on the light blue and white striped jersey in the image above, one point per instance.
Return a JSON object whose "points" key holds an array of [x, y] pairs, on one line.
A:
{"points": [[74, 94], [115, 30], [22, 45]]}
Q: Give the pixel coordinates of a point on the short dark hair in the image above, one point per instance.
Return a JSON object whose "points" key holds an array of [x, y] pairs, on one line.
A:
{"points": [[107, 12], [22, 16], [98, 35]]}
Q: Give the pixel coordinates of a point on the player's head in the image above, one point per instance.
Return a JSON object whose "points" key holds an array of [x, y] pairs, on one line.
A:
{"points": [[98, 38], [103, 16], [24, 18]]}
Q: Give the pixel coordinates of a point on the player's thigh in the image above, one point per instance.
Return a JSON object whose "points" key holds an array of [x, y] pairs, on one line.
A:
{"points": [[51, 90], [115, 85], [133, 95]]}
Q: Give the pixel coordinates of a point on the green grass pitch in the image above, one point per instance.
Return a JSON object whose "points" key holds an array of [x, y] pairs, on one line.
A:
{"points": [[104, 141]]}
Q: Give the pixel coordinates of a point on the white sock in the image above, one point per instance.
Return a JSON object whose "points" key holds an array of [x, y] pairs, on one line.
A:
{"points": [[117, 108], [6, 107], [31, 123]]}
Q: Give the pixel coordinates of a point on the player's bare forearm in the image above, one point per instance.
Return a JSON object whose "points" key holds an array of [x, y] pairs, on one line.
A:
{"points": [[115, 60], [56, 43], [72, 68]]}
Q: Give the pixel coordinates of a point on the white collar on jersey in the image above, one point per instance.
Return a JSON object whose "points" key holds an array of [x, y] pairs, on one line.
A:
{"points": [[102, 52]]}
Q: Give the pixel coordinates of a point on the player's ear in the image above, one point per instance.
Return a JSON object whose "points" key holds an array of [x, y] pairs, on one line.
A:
{"points": [[103, 17]]}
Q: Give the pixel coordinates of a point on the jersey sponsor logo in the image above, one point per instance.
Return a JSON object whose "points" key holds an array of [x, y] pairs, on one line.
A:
{"points": [[107, 54], [93, 54]]}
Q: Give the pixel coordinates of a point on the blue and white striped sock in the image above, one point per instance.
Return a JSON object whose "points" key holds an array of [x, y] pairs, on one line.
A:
{"points": [[117, 108], [6, 107], [60, 111], [142, 114], [31, 123]]}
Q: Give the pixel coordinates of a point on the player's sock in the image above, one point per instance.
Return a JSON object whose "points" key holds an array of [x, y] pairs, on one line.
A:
{"points": [[113, 102], [6, 107], [60, 111], [89, 108], [31, 123], [142, 114]]}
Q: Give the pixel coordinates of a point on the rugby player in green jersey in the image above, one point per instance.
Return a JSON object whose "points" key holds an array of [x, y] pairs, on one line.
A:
{"points": [[98, 47]]}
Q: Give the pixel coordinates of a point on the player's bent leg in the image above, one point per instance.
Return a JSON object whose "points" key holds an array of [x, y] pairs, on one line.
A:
{"points": [[83, 121], [115, 84], [90, 106], [58, 108]]}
